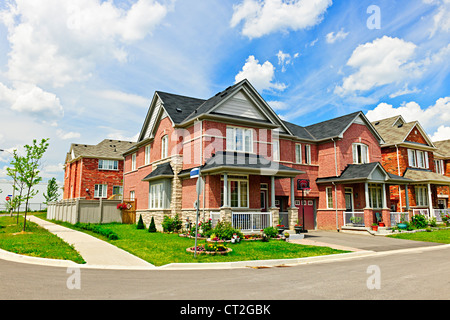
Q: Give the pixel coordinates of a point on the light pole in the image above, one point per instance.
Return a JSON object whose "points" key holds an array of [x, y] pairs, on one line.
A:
{"points": [[14, 184]]}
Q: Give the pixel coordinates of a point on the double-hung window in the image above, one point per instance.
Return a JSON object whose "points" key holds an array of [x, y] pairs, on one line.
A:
{"points": [[239, 139], [156, 196], [101, 191], [307, 154], [133, 162], [418, 158], [439, 165], [237, 191], [421, 196], [298, 153], [375, 196], [276, 150], [360, 153], [108, 164], [329, 192], [164, 146], [147, 154]]}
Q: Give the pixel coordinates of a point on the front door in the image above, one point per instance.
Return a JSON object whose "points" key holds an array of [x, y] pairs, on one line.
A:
{"points": [[306, 214], [348, 200], [264, 200]]}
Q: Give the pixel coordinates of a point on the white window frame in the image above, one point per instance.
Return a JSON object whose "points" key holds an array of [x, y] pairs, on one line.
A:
{"points": [[421, 196], [276, 150], [147, 154], [246, 135], [439, 165], [298, 153], [117, 188], [360, 153], [307, 154], [132, 195], [237, 179], [133, 162], [165, 146], [156, 196], [112, 165], [101, 191], [418, 159], [375, 196], [329, 197]]}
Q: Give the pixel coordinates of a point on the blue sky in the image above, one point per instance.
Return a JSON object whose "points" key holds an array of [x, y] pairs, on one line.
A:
{"points": [[80, 71]]}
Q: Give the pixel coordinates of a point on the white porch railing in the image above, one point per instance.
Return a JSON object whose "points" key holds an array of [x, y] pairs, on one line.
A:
{"points": [[354, 218], [397, 217], [438, 213], [215, 217], [423, 212], [251, 221]]}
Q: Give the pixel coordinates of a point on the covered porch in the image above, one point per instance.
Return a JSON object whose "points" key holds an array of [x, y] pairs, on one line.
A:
{"points": [[359, 197], [247, 189]]}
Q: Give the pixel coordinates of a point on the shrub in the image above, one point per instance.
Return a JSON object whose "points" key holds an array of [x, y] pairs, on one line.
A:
{"points": [[225, 231], [98, 229], [271, 232], [152, 227], [172, 224], [419, 221], [140, 224]]}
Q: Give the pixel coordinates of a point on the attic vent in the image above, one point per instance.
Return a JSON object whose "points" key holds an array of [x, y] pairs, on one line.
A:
{"points": [[400, 125], [377, 123], [179, 110]]}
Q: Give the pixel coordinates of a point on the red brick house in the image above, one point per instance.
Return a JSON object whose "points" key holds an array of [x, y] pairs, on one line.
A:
{"points": [[95, 171], [410, 153], [442, 167], [254, 166]]}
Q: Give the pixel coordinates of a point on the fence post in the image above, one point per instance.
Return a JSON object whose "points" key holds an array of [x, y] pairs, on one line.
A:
{"points": [[101, 210]]}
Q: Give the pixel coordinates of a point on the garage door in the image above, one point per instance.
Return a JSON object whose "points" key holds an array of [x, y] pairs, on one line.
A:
{"points": [[308, 207]]}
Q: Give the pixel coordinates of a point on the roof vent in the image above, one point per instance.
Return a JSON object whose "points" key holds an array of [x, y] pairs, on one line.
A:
{"points": [[179, 110], [400, 125], [377, 123]]}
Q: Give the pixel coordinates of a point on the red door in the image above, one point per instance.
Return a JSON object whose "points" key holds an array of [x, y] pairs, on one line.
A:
{"points": [[306, 209]]}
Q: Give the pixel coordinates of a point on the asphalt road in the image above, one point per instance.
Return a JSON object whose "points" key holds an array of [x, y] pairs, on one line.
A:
{"points": [[417, 273]]}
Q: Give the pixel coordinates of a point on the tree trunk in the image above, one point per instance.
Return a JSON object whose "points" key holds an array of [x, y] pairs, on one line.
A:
{"points": [[26, 210]]}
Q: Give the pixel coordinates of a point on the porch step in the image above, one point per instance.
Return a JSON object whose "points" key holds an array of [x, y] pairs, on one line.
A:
{"points": [[365, 230]]}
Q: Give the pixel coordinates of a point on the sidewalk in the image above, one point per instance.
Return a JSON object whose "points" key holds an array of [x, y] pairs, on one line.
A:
{"points": [[94, 251]]}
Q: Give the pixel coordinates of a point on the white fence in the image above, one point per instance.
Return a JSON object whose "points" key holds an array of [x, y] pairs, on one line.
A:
{"points": [[423, 212], [251, 221], [354, 219], [215, 217], [85, 211], [397, 217], [438, 213]]}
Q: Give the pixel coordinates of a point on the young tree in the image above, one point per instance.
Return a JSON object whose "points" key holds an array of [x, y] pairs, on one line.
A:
{"points": [[30, 174], [15, 171], [52, 191]]}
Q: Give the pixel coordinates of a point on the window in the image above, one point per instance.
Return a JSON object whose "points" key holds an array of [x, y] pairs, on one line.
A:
{"points": [[360, 153], [101, 191], [156, 196], [164, 146], [276, 150], [108, 164], [133, 161], [237, 191], [375, 196], [329, 198], [132, 195], [307, 154], [439, 165], [117, 190], [239, 139], [418, 158], [298, 153], [147, 154], [421, 196]]}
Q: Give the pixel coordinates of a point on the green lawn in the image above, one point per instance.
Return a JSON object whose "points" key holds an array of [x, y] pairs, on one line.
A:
{"points": [[440, 236], [35, 242], [160, 249]]}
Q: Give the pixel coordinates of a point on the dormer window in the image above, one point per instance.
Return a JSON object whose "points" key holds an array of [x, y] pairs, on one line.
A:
{"points": [[360, 153]]}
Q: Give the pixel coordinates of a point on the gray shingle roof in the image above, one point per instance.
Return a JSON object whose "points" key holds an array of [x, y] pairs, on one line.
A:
{"points": [[163, 170], [179, 107], [107, 149], [443, 148]]}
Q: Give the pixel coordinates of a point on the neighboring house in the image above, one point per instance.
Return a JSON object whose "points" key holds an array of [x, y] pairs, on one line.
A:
{"points": [[410, 153], [442, 167], [254, 164], [95, 171]]}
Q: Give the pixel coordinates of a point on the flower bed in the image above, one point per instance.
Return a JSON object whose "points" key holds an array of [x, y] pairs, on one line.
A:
{"points": [[214, 249]]}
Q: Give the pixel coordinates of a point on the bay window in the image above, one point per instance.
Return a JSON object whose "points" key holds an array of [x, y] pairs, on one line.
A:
{"points": [[237, 190], [159, 195]]}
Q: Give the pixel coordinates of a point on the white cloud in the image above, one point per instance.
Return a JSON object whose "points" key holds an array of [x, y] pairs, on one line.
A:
{"points": [[124, 97], [55, 42], [261, 76], [434, 119], [385, 60], [285, 59], [67, 135], [32, 100], [442, 133], [268, 16], [278, 105], [404, 91], [332, 37], [441, 20]]}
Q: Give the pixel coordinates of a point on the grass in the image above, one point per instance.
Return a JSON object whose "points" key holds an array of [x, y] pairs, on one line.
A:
{"points": [[439, 236], [35, 242], [160, 248]]}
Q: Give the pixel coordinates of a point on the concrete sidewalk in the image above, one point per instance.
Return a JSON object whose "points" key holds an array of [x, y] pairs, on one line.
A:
{"points": [[94, 251]]}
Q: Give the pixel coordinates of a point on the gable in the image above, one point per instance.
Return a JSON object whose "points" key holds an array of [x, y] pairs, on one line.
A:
{"points": [[416, 136], [378, 174], [240, 104]]}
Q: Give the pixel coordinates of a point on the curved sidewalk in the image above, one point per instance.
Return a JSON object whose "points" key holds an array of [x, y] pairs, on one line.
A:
{"points": [[94, 251]]}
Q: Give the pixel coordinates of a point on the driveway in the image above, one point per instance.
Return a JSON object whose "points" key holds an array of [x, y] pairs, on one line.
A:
{"points": [[357, 242]]}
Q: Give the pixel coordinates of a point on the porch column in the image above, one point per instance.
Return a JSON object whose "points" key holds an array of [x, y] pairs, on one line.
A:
{"points": [[292, 194], [366, 192], [384, 196], [272, 192], [430, 202], [225, 190], [407, 198]]}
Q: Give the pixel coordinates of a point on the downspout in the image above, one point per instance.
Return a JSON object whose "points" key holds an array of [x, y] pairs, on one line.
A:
{"points": [[335, 188], [399, 187]]}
